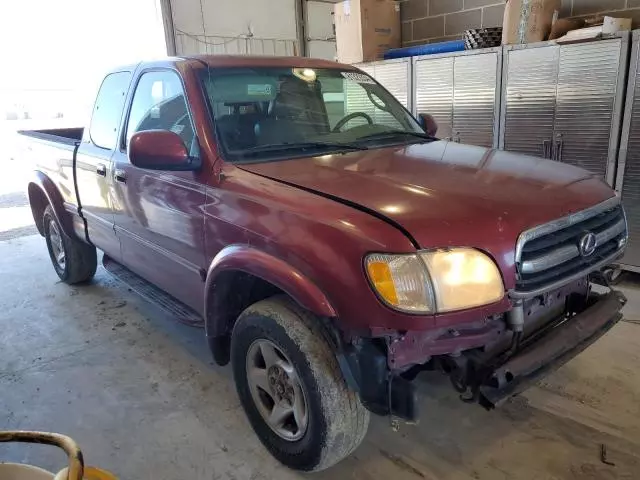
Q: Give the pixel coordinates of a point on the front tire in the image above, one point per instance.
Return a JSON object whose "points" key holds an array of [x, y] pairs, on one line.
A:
{"points": [[73, 260], [291, 387]]}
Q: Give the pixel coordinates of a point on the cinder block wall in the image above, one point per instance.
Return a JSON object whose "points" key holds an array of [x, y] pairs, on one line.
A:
{"points": [[428, 21]]}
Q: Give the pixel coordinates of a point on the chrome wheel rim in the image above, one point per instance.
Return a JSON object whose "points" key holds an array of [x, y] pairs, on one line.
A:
{"points": [[276, 390], [57, 247]]}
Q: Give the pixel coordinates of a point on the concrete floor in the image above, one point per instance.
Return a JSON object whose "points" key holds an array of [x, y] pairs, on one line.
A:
{"points": [[140, 394]]}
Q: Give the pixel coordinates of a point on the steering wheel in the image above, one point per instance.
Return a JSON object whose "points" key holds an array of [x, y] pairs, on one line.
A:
{"points": [[350, 117]]}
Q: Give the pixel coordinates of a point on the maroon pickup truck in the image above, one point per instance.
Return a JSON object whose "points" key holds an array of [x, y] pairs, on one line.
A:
{"points": [[331, 248]]}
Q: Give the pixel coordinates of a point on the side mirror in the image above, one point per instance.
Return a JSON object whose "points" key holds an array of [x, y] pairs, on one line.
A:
{"points": [[160, 150], [428, 123]]}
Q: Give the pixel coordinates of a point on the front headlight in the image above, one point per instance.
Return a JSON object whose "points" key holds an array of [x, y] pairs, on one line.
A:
{"points": [[401, 281], [435, 281], [463, 278]]}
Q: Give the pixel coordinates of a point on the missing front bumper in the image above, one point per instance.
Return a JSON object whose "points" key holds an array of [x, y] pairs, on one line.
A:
{"points": [[488, 380], [558, 346]]}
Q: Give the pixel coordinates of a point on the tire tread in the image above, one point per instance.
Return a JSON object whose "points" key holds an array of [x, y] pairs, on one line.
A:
{"points": [[348, 419], [81, 258]]}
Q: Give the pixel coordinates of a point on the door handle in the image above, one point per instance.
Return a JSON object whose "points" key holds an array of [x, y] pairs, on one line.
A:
{"points": [[558, 150], [120, 176], [546, 149], [101, 169]]}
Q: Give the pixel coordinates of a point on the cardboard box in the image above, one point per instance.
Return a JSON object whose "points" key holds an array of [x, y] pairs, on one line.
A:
{"points": [[528, 21], [613, 25], [365, 29]]}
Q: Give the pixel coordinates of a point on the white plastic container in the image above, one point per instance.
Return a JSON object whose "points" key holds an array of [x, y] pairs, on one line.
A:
{"points": [[15, 471]]}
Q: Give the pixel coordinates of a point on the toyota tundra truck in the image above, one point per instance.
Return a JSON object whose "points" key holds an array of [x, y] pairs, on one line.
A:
{"points": [[328, 244]]}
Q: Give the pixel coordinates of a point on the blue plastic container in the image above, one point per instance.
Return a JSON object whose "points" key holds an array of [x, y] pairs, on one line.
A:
{"points": [[428, 49]]}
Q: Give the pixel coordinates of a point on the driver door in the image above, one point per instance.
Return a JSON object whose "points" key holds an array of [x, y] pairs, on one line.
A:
{"points": [[158, 214]]}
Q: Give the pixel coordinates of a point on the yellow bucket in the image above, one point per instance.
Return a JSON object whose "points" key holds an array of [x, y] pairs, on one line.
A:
{"points": [[74, 471]]}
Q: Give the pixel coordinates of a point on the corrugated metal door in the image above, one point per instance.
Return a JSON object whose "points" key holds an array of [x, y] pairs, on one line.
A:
{"points": [[394, 76], [356, 99], [368, 67], [433, 87], [631, 183], [628, 181], [474, 102], [529, 99], [587, 89]]}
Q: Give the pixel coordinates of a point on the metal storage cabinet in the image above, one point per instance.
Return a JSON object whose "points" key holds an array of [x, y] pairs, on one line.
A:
{"points": [[433, 92], [564, 102], [462, 92], [394, 75], [628, 176]]}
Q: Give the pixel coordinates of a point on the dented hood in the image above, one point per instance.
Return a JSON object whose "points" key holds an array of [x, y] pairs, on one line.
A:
{"points": [[448, 194]]}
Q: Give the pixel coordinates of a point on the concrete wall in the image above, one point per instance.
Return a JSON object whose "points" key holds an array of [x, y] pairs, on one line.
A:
{"points": [[427, 21], [260, 27]]}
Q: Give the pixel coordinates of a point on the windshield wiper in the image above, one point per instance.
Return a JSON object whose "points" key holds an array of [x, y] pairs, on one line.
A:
{"points": [[286, 146], [395, 133]]}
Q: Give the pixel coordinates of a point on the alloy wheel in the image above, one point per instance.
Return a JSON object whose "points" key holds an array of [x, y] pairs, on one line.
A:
{"points": [[276, 390]]}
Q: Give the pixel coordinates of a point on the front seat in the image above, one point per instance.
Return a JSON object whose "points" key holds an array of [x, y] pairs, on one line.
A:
{"points": [[296, 113]]}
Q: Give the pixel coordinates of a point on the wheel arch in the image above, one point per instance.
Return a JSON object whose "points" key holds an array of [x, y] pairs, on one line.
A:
{"points": [[242, 275], [42, 192]]}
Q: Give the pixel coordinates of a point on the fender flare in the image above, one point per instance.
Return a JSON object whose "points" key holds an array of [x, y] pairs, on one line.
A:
{"points": [[271, 269], [53, 196]]}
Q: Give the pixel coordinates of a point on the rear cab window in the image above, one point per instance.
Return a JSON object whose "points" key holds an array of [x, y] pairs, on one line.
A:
{"points": [[107, 111]]}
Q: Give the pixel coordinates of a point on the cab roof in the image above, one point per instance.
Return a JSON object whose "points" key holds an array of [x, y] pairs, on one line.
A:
{"points": [[223, 61], [266, 61]]}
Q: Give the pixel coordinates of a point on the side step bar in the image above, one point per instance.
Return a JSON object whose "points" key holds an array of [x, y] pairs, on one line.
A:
{"points": [[153, 294]]}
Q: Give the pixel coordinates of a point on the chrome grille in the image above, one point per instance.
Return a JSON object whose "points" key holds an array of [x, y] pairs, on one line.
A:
{"points": [[550, 255]]}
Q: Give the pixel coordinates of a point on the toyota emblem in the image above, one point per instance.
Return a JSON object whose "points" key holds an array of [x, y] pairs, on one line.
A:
{"points": [[588, 244]]}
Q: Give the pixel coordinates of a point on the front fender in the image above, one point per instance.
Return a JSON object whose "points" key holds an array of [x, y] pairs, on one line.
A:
{"points": [[270, 269], [53, 197]]}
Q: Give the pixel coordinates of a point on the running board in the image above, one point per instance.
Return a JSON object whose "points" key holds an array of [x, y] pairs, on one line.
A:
{"points": [[153, 294]]}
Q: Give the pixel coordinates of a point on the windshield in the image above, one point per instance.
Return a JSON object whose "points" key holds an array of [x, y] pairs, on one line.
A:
{"points": [[274, 113]]}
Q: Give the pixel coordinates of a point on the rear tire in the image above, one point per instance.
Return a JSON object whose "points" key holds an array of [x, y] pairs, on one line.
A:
{"points": [[334, 423], [73, 260]]}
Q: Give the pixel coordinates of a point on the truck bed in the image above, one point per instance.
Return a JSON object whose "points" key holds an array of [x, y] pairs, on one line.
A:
{"points": [[68, 136], [52, 153]]}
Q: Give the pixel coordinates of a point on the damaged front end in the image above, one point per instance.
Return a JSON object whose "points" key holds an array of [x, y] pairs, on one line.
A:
{"points": [[492, 374], [550, 316], [487, 361], [499, 378]]}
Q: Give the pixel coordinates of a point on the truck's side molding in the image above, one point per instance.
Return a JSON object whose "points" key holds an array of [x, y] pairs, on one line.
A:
{"points": [[266, 267], [42, 192]]}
